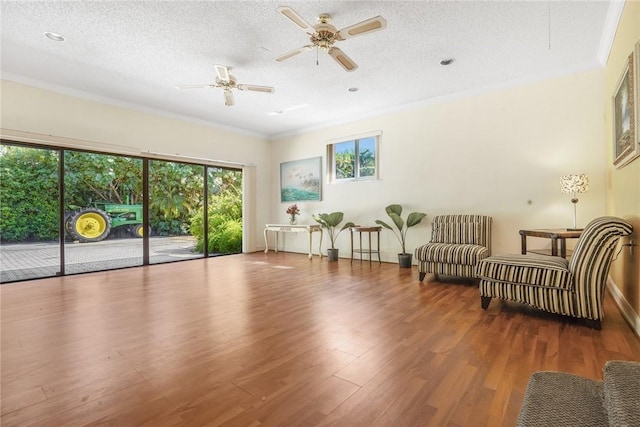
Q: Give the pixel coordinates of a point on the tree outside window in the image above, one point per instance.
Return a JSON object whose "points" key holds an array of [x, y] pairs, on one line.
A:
{"points": [[355, 159]]}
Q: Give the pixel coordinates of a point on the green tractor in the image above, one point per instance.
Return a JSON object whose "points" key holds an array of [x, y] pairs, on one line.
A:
{"points": [[94, 224]]}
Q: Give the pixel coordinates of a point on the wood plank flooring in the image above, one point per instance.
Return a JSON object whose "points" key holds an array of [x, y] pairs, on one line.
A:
{"points": [[279, 340]]}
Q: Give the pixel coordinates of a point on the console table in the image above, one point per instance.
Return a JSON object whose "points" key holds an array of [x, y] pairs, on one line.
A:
{"points": [[555, 235], [369, 250], [287, 228]]}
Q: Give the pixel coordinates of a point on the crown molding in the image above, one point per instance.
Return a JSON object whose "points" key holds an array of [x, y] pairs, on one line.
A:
{"points": [[609, 31]]}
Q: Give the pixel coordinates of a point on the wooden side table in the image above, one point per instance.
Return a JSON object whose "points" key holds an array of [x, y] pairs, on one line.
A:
{"points": [[369, 250], [555, 235]]}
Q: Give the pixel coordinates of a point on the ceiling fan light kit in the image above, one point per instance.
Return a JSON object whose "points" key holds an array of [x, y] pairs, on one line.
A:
{"points": [[323, 35]]}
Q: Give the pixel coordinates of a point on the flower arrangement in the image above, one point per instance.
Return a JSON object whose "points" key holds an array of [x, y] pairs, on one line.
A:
{"points": [[292, 211]]}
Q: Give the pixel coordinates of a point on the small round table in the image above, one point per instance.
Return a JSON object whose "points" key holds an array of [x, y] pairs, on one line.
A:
{"points": [[369, 250]]}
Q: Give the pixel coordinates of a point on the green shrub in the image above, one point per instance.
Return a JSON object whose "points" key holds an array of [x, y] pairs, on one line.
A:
{"points": [[28, 194], [224, 218], [227, 238]]}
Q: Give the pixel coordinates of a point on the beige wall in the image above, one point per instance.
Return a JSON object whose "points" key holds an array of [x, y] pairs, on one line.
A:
{"points": [[500, 153], [623, 185], [60, 119]]}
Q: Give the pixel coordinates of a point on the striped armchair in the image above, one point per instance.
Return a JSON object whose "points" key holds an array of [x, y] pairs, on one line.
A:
{"points": [[554, 284], [458, 243]]}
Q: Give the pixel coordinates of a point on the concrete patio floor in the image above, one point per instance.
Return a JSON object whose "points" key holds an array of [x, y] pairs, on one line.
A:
{"points": [[22, 261]]}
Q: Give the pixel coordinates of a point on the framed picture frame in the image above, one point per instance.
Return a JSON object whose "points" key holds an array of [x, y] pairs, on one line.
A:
{"points": [[636, 83], [301, 180], [625, 146]]}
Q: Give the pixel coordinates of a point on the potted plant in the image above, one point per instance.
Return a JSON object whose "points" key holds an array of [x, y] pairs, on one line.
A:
{"points": [[331, 222], [414, 218]]}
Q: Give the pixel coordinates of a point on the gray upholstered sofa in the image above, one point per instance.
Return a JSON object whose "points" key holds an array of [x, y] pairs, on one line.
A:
{"points": [[572, 287], [458, 243], [568, 400]]}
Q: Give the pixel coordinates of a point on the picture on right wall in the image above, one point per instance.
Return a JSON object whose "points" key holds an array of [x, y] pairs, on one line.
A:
{"points": [[636, 84], [624, 140], [626, 145]]}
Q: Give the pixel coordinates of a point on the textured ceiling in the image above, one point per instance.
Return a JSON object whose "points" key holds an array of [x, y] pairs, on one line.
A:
{"points": [[136, 52]]}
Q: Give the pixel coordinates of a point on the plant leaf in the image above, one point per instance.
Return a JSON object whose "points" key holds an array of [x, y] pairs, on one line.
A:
{"points": [[395, 208], [397, 219], [384, 224], [320, 220], [335, 218], [347, 225], [415, 218]]}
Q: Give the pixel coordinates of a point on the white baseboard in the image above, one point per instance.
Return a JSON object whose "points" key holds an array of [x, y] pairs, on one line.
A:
{"points": [[625, 308]]}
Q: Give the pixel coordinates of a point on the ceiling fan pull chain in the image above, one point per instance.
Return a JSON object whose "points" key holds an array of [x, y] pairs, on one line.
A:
{"points": [[317, 56], [549, 23]]}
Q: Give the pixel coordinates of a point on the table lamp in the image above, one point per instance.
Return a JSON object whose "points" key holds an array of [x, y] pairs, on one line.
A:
{"points": [[574, 184]]}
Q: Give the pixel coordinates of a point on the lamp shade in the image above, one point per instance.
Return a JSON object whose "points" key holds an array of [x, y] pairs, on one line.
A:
{"points": [[573, 184]]}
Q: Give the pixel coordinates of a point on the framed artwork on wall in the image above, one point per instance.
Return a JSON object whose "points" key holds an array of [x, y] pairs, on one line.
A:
{"points": [[625, 146], [301, 180], [636, 84]]}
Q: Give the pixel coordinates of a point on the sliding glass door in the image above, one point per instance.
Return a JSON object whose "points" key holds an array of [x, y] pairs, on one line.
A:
{"points": [[103, 211], [70, 211], [29, 212], [224, 211], [176, 197]]}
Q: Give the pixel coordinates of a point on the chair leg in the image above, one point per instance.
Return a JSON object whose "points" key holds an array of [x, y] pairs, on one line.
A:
{"points": [[593, 324], [484, 302], [421, 276]]}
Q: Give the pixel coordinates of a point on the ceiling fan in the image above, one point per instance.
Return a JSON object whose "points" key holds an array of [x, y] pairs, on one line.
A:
{"points": [[323, 35], [227, 82]]}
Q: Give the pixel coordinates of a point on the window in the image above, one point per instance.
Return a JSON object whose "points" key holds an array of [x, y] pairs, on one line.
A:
{"points": [[355, 159]]}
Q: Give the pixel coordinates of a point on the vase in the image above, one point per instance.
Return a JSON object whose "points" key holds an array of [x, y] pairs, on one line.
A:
{"points": [[292, 220]]}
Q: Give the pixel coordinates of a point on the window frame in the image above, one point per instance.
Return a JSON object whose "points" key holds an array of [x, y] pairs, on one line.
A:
{"points": [[331, 157]]}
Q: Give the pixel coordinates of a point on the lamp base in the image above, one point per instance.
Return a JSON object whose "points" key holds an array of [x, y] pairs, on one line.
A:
{"points": [[575, 229]]}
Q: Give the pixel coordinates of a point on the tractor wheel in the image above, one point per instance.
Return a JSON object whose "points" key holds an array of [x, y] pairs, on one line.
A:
{"points": [[89, 225], [138, 230], [67, 221]]}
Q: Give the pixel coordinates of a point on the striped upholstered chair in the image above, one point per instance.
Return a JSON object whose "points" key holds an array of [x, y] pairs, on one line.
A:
{"points": [[554, 284], [458, 243]]}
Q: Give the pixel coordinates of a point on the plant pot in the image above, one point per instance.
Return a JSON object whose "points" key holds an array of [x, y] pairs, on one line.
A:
{"points": [[332, 254], [404, 260]]}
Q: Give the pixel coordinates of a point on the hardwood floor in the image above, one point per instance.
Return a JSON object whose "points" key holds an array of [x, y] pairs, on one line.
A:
{"points": [[278, 340]]}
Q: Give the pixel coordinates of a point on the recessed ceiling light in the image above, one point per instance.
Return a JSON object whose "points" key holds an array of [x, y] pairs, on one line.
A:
{"points": [[55, 37], [353, 89], [447, 61]]}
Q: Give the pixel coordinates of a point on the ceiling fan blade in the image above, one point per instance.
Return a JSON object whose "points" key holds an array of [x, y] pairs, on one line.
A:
{"points": [[342, 59], [195, 86], [293, 53], [223, 72], [266, 89], [228, 98], [295, 18], [364, 27]]}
